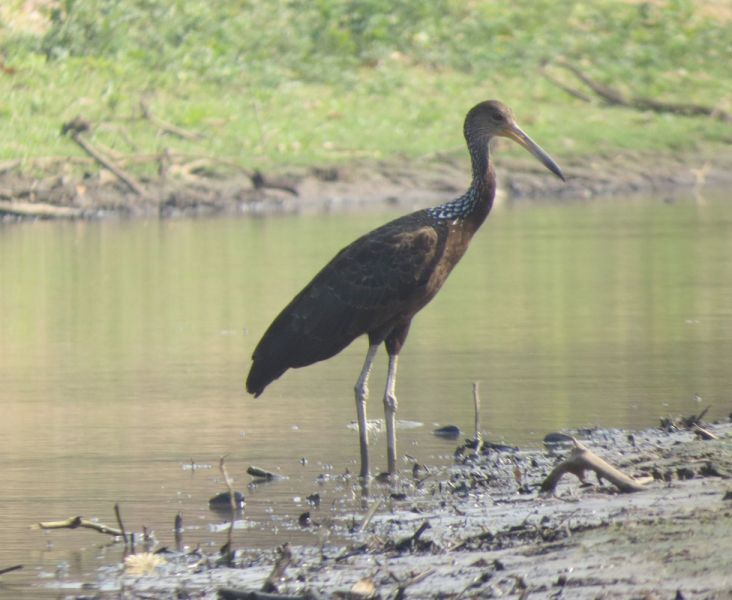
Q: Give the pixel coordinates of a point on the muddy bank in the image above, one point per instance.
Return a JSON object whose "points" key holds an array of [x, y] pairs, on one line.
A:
{"points": [[479, 527], [186, 186]]}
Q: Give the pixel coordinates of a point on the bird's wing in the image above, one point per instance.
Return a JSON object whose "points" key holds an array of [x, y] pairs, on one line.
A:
{"points": [[366, 285], [367, 282]]}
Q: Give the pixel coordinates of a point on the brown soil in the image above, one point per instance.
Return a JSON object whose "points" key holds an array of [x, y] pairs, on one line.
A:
{"points": [[205, 187]]}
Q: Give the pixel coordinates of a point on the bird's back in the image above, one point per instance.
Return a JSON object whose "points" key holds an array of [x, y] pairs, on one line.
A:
{"points": [[377, 281]]}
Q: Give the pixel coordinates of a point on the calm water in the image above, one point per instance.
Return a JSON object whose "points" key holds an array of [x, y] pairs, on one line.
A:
{"points": [[124, 348]]}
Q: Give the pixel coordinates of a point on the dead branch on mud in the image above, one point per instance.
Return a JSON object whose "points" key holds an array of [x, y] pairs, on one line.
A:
{"points": [[39, 209], [229, 594], [580, 460], [284, 558], [76, 522], [76, 135], [611, 97], [179, 131], [704, 434]]}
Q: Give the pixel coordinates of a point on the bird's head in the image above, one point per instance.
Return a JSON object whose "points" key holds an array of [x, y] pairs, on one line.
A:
{"points": [[492, 118]]}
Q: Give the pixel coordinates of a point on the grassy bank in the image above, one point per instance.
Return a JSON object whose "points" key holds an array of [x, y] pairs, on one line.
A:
{"points": [[314, 82]]}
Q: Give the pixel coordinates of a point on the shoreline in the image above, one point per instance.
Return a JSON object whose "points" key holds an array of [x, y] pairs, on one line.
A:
{"points": [[481, 528], [215, 187]]}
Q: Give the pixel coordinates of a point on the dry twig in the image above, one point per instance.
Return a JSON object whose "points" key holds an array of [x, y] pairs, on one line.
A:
{"points": [[179, 131]]}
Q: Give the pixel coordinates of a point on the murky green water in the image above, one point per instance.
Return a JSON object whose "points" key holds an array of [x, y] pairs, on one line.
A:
{"points": [[124, 348]]}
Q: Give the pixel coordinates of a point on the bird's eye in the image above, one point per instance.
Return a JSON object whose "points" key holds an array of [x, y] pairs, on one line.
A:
{"points": [[497, 117]]}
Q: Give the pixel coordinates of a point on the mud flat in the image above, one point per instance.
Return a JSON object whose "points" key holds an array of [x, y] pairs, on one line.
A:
{"points": [[481, 528]]}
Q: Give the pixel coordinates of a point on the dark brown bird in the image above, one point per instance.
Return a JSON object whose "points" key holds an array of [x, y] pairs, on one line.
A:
{"points": [[378, 283]]}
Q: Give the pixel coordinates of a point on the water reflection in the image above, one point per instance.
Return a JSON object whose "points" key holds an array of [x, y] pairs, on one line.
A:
{"points": [[124, 348]]}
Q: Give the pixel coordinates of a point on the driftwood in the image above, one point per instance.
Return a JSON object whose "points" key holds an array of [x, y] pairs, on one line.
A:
{"points": [[262, 473], [10, 569], [612, 97], [580, 460], [284, 558], [108, 164], [229, 594], [76, 522], [704, 433], [179, 131], [39, 209]]}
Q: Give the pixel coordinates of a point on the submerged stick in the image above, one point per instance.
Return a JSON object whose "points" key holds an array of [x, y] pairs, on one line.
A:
{"points": [[76, 522], [10, 569], [580, 460]]}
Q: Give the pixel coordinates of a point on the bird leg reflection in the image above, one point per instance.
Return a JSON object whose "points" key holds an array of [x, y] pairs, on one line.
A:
{"points": [[362, 394], [390, 407]]}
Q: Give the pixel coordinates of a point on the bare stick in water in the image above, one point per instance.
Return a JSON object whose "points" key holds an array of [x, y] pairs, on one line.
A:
{"points": [[121, 525], [222, 466], [476, 401]]}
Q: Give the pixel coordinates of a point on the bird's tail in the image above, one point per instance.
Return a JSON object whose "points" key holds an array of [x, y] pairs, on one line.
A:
{"points": [[260, 377]]}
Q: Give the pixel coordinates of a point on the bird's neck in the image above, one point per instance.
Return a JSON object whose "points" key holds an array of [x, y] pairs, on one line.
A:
{"points": [[475, 204]]}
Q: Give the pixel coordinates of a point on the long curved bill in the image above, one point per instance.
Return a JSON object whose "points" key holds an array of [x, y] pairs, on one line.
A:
{"points": [[513, 132]]}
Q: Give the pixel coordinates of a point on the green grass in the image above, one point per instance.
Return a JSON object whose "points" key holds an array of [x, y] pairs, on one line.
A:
{"points": [[333, 80]]}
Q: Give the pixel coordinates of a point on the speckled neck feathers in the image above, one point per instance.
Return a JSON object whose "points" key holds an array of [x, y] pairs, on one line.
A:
{"points": [[478, 200]]}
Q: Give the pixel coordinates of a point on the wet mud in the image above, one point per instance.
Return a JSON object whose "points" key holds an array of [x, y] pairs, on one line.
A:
{"points": [[480, 527]]}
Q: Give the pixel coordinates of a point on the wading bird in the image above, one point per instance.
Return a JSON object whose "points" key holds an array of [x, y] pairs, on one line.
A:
{"points": [[378, 283]]}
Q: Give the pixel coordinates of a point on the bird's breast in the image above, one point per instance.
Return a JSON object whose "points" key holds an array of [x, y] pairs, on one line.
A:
{"points": [[459, 234]]}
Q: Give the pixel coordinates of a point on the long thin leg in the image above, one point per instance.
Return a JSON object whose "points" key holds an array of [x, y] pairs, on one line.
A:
{"points": [[390, 407], [362, 393]]}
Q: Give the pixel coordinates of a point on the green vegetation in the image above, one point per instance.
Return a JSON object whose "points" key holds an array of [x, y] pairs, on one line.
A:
{"points": [[320, 80]]}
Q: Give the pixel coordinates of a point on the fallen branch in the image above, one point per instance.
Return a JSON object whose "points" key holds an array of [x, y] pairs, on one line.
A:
{"points": [[284, 558], [704, 433], [179, 131], [76, 522], [408, 542], [39, 209], [108, 164], [580, 460], [229, 594], [613, 97], [404, 584]]}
